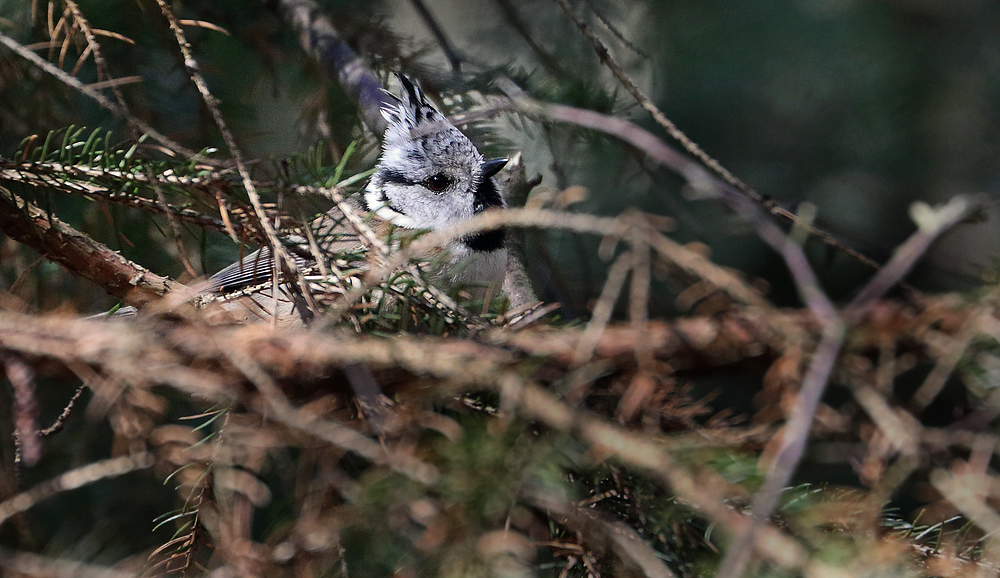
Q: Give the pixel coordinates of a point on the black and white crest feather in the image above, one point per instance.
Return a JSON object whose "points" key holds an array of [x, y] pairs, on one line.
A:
{"points": [[430, 175], [412, 112]]}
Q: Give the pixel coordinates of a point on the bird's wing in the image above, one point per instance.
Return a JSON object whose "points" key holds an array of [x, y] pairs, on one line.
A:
{"points": [[332, 233]]}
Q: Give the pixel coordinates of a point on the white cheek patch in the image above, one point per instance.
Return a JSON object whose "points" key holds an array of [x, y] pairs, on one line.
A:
{"points": [[378, 205]]}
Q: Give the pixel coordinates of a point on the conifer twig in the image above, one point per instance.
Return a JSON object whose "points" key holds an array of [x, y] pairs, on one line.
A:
{"points": [[92, 93]]}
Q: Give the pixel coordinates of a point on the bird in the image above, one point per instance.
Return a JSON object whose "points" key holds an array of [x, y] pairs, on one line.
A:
{"points": [[429, 176]]}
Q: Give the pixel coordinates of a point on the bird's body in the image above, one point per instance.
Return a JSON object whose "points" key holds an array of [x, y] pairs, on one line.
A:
{"points": [[429, 176]]}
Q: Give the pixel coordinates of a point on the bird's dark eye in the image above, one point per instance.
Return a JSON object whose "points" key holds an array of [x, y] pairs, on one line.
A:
{"points": [[438, 182]]}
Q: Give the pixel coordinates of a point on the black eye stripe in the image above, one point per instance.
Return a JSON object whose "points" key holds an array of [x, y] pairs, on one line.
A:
{"points": [[396, 177]]}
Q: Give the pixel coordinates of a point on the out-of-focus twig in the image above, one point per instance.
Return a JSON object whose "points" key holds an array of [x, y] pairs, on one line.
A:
{"points": [[72, 480], [614, 30], [449, 51], [639, 451], [931, 223], [327, 430], [28, 564], [793, 441], [603, 534], [28, 448], [509, 11], [699, 179], [966, 491], [608, 60], [321, 40]]}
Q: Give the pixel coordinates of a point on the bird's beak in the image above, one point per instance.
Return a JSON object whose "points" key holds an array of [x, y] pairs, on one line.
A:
{"points": [[492, 167]]}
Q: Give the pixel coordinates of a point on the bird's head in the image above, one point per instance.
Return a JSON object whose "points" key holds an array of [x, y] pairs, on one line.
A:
{"points": [[430, 175]]}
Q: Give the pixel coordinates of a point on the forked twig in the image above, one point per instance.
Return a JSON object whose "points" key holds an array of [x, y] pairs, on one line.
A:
{"points": [[795, 433]]}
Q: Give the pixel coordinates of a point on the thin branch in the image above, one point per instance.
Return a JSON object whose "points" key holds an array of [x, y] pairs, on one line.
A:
{"points": [[796, 431], [95, 49], [92, 93], [327, 430], [28, 564], [72, 480], [641, 452], [689, 261], [60, 421], [28, 448], [514, 20], [320, 39], [614, 31], [175, 228], [931, 223], [449, 51], [695, 150], [601, 315], [603, 534], [282, 258], [793, 442]]}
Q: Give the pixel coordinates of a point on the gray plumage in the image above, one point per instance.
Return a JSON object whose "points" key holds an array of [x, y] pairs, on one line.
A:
{"points": [[429, 176]]}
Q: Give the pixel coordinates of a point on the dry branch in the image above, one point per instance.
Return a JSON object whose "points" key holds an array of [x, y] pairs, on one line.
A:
{"points": [[78, 253]]}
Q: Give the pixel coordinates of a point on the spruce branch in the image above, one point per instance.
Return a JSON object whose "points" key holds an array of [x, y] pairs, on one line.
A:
{"points": [[79, 253]]}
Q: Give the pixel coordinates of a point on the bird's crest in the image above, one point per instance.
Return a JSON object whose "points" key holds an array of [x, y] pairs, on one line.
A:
{"points": [[410, 114]]}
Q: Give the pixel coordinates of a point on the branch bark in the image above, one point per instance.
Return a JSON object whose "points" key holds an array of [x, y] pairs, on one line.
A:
{"points": [[79, 253]]}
